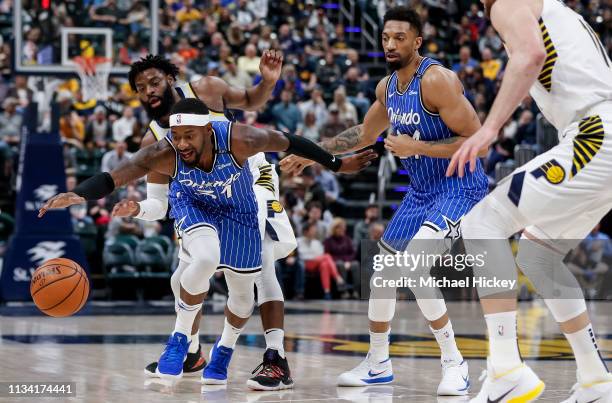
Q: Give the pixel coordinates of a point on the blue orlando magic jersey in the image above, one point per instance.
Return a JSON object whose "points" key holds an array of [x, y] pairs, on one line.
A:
{"points": [[408, 116], [227, 187], [222, 199]]}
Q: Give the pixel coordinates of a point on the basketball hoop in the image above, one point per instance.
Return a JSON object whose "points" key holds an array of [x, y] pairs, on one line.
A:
{"points": [[93, 72]]}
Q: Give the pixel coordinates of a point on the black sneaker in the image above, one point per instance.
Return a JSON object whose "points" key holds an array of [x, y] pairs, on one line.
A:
{"points": [[194, 363], [274, 373]]}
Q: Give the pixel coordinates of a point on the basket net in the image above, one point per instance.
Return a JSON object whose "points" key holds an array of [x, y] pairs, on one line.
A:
{"points": [[93, 72]]}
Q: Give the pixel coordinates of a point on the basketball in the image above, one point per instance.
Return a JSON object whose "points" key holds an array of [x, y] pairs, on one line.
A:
{"points": [[59, 287]]}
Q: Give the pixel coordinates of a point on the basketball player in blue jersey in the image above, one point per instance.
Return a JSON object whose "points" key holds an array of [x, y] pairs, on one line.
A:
{"points": [[215, 207], [423, 104], [154, 75], [556, 198]]}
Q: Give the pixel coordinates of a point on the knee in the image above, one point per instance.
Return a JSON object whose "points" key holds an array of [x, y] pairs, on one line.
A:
{"points": [[241, 303]]}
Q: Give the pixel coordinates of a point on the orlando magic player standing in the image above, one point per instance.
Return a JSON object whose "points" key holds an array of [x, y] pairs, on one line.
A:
{"points": [[424, 105]]}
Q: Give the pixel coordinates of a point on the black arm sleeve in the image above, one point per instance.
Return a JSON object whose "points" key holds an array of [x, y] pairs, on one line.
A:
{"points": [[307, 149], [96, 187]]}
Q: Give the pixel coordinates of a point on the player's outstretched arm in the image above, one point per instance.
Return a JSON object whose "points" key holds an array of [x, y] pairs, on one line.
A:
{"points": [[155, 206], [443, 94], [159, 157], [253, 98], [248, 141], [352, 139], [518, 26]]}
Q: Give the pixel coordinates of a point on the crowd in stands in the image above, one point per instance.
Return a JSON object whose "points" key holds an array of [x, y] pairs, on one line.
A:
{"points": [[326, 86]]}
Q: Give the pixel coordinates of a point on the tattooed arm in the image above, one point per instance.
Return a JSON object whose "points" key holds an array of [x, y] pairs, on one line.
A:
{"points": [[352, 139]]}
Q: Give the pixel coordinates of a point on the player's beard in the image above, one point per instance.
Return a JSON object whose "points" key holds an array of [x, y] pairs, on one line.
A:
{"points": [[166, 103], [398, 64]]}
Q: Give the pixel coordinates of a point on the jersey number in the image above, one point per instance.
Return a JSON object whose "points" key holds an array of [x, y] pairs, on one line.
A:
{"points": [[227, 190], [596, 42]]}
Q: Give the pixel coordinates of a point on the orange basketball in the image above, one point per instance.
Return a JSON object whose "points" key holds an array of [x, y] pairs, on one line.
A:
{"points": [[59, 287]]}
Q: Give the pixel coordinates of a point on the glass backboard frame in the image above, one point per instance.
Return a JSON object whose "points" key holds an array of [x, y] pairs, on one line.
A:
{"points": [[67, 66]]}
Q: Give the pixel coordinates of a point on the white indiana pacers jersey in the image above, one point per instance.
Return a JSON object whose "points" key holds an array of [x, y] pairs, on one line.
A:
{"points": [[260, 167], [577, 74]]}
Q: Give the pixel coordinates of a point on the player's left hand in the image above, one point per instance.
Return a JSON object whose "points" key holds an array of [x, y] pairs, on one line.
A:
{"points": [[402, 146], [126, 208], [60, 200], [468, 152], [271, 65], [357, 162]]}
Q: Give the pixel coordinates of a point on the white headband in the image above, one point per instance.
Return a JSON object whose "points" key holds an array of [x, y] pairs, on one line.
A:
{"points": [[189, 119]]}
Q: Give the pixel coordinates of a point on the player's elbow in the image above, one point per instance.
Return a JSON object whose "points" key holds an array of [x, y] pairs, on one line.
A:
{"points": [[535, 56]]}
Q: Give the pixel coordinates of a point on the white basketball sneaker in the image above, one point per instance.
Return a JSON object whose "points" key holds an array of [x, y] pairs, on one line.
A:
{"points": [[599, 392], [369, 372], [519, 385], [455, 379]]}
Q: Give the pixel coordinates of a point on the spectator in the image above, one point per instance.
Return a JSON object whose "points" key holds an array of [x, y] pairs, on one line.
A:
{"points": [[10, 122], [234, 76], [328, 73], [316, 105], [356, 91], [346, 110], [316, 260], [31, 47], [107, 14], [314, 215], [188, 13], [286, 113], [99, 129], [314, 191], [111, 159], [329, 183], [245, 18], [131, 51], [309, 128], [492, 41], [21, 91], [340, 247], [526, 130], [124, 127], [490, 67], [249, 63], [265, 39], [334, 125], [213, 50], [124, 226], [465, 60], [362, 228], [587, 261]]}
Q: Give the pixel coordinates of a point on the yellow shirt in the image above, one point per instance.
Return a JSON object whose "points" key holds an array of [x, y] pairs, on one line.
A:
{"points": [[491, 68], [185, 16]]}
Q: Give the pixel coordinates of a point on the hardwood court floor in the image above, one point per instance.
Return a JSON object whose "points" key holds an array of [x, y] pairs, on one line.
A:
{"points": [[105, 354]]}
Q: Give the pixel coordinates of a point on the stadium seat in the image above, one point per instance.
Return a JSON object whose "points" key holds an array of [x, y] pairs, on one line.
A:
{"points": [[130, 240], [166, 244], [119, 264], [503, 169], [524, 153], [7, 223], [151, 260], [546, 135], [88, 234]]}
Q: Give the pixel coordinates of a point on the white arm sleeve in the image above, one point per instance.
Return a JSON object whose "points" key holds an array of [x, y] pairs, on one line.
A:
{"points": [[155, 206]]}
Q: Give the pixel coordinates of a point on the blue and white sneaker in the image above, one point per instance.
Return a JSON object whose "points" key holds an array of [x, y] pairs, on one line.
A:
{"points": [[455, 379], [369, 372], [170, 365], [215, 373]]}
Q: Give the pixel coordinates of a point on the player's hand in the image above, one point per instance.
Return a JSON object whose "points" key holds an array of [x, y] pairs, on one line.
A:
{"points": [[402, 146], [294, 165], [126, 208], [357, 162], [271, 65], [60, 200], [468, 152]]}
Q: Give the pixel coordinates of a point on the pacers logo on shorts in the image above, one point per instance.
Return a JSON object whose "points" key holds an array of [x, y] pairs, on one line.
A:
{"points": [[552, 171], [274, 207]]}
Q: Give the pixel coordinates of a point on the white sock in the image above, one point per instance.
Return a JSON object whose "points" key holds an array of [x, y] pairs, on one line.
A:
{"points": [[448, 347], [230, 335], [195, 343], [379, 345], [274, 340], [185, 316], [590, 366], [503, 344]]}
